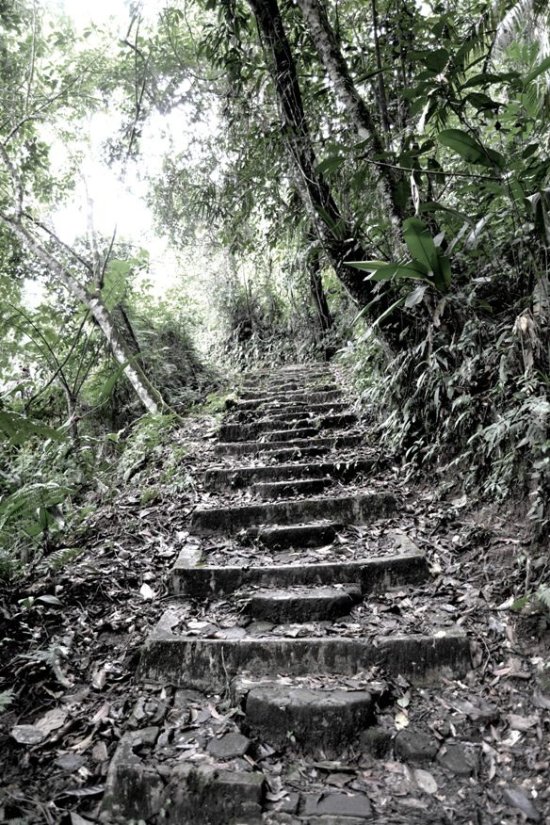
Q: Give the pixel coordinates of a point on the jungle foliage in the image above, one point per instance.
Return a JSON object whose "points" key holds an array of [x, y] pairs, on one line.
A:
{"points": [[368, 182]]}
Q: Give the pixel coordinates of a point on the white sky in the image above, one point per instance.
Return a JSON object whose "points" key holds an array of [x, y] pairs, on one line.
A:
{"points": [[118, 203]]}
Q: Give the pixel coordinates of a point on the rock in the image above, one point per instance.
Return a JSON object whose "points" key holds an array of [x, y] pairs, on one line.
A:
{"points": [[458, 759], [336, 804], [415, 745], [229, 746], [376, 741], [69, 762]]}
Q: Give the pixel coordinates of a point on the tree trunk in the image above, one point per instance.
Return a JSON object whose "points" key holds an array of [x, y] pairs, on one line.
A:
{"points": [[338, 236], [326, 321], [326, 44], [147, 394]]}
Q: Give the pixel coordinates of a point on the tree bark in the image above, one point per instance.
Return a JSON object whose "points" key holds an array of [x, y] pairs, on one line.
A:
{"points": [[326, 44], [338, 236], [147, 394]]}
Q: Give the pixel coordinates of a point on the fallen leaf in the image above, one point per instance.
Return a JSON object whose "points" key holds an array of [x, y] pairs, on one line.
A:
{"points": [[519, 799], [425, 780], [52, 720], [28, 734], [522, 722], [401, 720], [146, 592]]}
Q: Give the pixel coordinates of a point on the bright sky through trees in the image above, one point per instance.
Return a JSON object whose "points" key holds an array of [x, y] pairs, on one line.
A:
{"points": [[118, 199]]}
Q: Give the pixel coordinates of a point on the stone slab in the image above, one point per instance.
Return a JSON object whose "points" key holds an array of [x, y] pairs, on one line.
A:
{"points": [[307, 719], [303, 604], [210, 664], [346, 509], [269, 490], [192, 576], [332, 442], [221, 478]]}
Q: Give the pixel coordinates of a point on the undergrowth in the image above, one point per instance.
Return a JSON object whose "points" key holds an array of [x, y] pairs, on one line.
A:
{"points": [[474, 407]]}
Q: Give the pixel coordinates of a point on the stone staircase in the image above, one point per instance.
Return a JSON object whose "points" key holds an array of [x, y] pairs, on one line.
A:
{"points": [[266, 654]]}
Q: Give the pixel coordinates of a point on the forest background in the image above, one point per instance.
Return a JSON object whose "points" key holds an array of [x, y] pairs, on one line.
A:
{"points": [[367, 183]]}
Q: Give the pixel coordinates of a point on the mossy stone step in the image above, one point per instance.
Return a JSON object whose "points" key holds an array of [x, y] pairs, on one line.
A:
{"points": [[302, 603], [221, 478], [209, 664], [331, 389], [282, 411], [284, 537], [295, 397], [192, 576], [269, 490], [308, 719], [344, 509], [333, 442]]}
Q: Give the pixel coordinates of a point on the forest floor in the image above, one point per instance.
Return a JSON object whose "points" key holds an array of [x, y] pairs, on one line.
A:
{"points": [[73, 631]]}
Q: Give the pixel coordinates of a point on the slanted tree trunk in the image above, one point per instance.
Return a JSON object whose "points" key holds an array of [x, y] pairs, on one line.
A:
{"points": [[338, 236], [326, 321], [147, 394], [325, 42]]}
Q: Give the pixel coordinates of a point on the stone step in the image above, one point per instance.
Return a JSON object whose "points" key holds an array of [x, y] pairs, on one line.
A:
{"points": [[290, 435], [283, 411], [344, 509], [137, 791], [309, 720], [283, 537], [286, 398], [289, 384], [301, 427], [210, 664], [318, 412], [192, 576], [297, 453], [236, 477], [302, 604], [302, 392], [331, 442], [269, 490]]}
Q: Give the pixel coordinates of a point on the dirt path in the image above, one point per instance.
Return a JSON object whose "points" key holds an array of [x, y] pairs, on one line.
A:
{"points": [[330, 649]]}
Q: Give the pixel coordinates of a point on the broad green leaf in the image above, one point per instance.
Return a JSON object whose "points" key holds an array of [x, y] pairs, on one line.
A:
{"points": [[420, 243], [469, 149], [485, 79], [438, 207], [330, 164], [482, 101], [542, 67], [383, 271], [17, 429]]}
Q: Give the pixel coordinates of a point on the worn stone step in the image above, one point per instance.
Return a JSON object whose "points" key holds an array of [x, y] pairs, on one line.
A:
{"points": [[237, 477], [284, 411], [302, 392], [289, 384], [303, 426], [137, 791], [254, 447], [283, 537], [279, 436], [308, 719], [297, 453], [302, 412], [209, 664], [297, 397], [302, 604], [345, 509], [192, 575], [269, 490], [248, 430]]}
